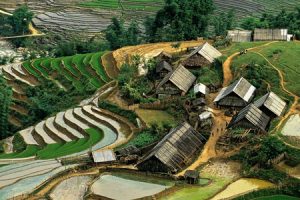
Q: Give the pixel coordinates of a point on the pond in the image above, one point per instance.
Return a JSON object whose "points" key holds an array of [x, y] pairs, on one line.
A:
{"points": [[242, 186], [123, 188]]}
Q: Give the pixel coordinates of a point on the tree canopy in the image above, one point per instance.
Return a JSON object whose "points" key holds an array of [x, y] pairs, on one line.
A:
{"points": [[18, 23], [118, 36], [180, 20]]}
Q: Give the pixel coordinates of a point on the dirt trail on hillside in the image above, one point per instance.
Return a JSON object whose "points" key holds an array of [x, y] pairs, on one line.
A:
{"points": [[293, 108], [227, 75]]}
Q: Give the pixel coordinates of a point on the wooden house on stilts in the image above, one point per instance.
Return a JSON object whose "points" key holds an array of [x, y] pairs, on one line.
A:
{"points": [[174, 152], [271, 104], [238, 94], [250, 117], [176, 82], [202, 56]]}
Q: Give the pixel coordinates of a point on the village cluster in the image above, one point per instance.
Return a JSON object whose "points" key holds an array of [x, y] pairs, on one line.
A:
{"points": [[177, 150]]}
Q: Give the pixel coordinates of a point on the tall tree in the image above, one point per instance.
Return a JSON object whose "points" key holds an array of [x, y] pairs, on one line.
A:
{"points": [[224, 22], [180, 20], [118, 36], [5, 100], [20, 20]]}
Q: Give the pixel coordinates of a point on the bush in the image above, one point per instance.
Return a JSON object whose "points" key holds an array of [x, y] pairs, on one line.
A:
{"points": [[130, 115], [19, 143]]}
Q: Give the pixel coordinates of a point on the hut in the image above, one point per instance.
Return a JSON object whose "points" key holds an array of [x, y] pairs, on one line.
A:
{"points": [[238, 94], [250, 117], [103, 156], [163, 56], [200, 90], [174, 152], [163, 68], [205, 118], [271, 34], [191, 176], [204, 55], [240, 35], [271, 104], [176, 82]]}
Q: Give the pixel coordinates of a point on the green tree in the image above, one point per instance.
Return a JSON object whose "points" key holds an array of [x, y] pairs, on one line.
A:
{"points": [[5, 100], [180, 20], [20, 20]]}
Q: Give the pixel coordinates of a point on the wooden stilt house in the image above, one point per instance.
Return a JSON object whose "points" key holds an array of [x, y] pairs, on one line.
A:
{"points": [[204, 55], [271, 104], [238, 94], [175, 83], [250, 117], [174, 152]]}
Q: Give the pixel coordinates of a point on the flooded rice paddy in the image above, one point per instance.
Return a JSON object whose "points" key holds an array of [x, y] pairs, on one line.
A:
{"points": [[73, 188], [242, 186], [124, 188]]}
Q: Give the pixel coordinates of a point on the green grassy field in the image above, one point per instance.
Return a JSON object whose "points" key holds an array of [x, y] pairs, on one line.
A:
{"points": [[59, 149], [155, 117], [283, 55]]}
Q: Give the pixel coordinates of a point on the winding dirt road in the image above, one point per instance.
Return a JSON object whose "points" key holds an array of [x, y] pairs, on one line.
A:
{"points": [[227, 75]]}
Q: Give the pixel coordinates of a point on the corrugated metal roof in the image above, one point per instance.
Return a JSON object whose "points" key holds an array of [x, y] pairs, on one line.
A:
{"points": [[182, 78], [205, 115], [103, 156], [254, 115], [273, 102], [177, 146], [207, 51], [240, 87], [199, 87]]}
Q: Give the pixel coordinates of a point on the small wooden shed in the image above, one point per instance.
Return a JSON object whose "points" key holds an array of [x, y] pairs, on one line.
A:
{"points": [[250, 117], [271, 104], [191, 176], [174, 152], [238, 94], [240, 35], [204, 55], [103, 156], [176, 82]]}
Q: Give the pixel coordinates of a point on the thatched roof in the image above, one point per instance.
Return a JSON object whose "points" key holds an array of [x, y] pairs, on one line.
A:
{"points": [[182, 78], [164, 54], [207, 51], [241, 87], [178, 147], [272, 102], [163, 65], [201, 88], [270, 34], [253, 115], [101, 156]]}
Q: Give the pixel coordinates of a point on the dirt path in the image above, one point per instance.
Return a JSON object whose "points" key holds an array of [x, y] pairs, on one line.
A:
{"points": [[227, 75], [293, 108]]}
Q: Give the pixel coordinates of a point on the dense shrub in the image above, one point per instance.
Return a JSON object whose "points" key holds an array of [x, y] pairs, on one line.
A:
{"points": [[130, 115], [19, 143]]}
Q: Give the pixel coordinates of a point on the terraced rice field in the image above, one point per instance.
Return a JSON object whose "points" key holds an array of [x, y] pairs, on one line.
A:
{"points": [[128, 188], [26, 182], [73, 188], [79, 71]]}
